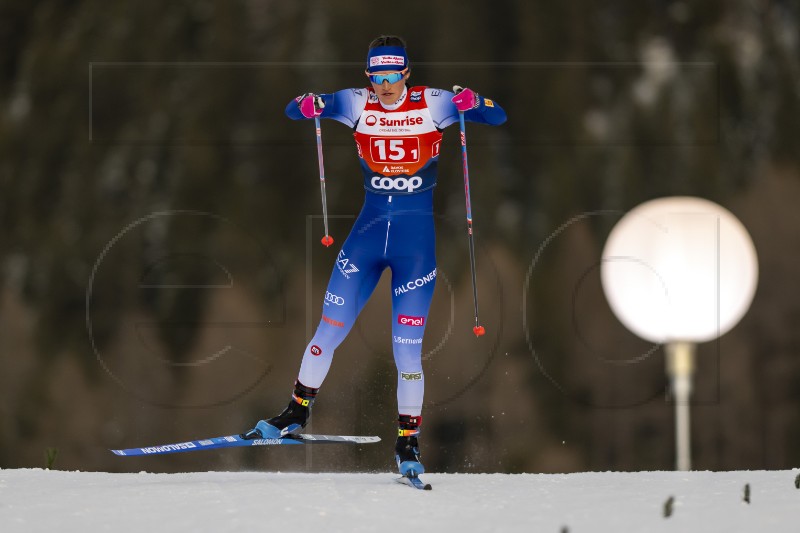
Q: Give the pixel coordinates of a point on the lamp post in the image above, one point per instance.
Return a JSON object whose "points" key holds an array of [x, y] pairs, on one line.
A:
{"points": [[679, 271]]}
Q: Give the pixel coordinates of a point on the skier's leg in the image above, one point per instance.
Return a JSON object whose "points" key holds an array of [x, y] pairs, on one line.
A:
{"points": [[356, 272], [413, 264], [413, 282], [344, 299]]}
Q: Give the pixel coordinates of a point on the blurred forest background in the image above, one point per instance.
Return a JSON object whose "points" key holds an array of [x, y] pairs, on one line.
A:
{"points": [[160, 257]]}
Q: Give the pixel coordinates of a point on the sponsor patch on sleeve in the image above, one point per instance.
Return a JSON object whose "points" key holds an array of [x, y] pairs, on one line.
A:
{"points": [[488, 103]]}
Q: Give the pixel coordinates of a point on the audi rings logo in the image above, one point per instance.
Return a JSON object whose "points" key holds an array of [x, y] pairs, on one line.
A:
{"points": [[396, 184], [332, 298], [371, 120]]}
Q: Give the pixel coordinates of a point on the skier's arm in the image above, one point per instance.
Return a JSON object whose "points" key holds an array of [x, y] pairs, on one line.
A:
{"points": [[445, 112], [344, 106]]}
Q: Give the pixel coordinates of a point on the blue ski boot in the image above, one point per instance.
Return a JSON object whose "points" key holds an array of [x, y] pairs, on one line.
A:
{"points": [[291, 420], [407, 446]]}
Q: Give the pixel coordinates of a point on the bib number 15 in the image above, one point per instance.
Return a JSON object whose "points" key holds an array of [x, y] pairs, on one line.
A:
{"points": [[394, 149]]}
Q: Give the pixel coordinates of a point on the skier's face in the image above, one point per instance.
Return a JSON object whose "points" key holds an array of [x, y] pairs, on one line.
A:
{"points": [[388, 93]]}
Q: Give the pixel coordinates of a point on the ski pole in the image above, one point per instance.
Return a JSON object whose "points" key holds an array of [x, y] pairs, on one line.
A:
{"points": [[478, 329], [327, 240]]}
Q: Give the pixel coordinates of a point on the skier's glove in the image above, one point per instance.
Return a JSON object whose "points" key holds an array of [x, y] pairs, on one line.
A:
{"points": [[310, 104], [465, 99]]}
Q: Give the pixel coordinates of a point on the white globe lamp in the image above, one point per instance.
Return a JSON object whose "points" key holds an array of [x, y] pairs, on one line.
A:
{"points": [[679, 271]]}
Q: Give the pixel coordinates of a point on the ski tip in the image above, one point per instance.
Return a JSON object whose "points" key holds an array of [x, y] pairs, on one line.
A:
{"points": [[414, 481], [419, 484]]}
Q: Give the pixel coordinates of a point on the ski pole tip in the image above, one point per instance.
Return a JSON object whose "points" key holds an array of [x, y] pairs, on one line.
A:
{"points": [[327, 240], [479, 331]]}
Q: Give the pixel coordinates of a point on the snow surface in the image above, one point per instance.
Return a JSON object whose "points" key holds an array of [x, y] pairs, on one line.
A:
{"points": [[43, 500]]}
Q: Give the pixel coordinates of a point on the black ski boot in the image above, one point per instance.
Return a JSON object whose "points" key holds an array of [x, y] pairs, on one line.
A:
{"points": [[407, 446], [291, 420]]}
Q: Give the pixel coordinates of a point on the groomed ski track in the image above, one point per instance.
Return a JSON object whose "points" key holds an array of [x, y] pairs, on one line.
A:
{"points": [[42, 500]]}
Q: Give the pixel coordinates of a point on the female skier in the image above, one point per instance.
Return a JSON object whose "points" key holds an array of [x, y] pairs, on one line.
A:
{"points": [[398, 132]]}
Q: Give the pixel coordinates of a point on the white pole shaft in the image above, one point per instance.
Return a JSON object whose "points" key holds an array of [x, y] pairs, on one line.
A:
{"points": [[680, 367], [682, 388]]}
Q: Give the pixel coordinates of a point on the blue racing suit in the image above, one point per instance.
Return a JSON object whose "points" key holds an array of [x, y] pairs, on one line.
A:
{"points": [[398, 148]]}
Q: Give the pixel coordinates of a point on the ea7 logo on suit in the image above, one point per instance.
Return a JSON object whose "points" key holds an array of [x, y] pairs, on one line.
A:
{"points": [[345, 266]]}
